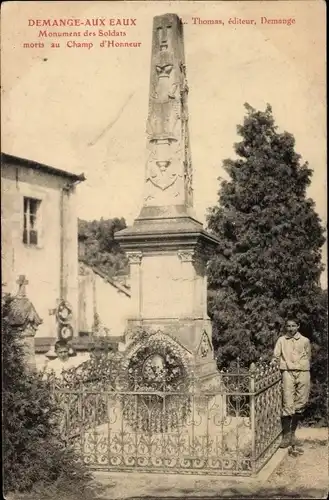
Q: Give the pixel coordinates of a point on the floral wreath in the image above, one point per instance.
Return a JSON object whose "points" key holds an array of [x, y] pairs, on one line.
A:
{"points": [[64, 313], [157, 365], [155, 371]]}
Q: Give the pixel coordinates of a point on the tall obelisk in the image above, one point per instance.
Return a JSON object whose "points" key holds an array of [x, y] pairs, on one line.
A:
{"points": [[168, 183], [166, 246]]}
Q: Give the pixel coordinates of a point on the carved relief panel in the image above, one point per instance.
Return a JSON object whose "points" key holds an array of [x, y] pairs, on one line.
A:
{"points": [[205, 348]]}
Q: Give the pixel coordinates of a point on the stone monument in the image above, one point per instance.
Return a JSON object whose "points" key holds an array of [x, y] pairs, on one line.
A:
{"points": [[23, 318], [167, 246]]}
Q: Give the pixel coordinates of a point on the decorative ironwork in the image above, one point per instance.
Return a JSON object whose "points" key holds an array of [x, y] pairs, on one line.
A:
{"points": [[267, 401], [228, 430]]}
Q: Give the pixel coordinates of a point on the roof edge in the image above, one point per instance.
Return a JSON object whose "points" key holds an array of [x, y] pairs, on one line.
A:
{"points": [[42, 344], [105, 277], [14, 160]]}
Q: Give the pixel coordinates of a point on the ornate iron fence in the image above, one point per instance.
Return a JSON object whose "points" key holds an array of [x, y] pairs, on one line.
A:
{"points": [[232, 429]]}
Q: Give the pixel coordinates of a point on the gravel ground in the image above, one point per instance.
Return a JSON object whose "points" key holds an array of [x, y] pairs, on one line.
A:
{"points": [[305, 476]]}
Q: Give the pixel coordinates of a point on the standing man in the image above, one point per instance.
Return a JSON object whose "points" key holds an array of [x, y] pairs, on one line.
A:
{"points": [[293, 353]]}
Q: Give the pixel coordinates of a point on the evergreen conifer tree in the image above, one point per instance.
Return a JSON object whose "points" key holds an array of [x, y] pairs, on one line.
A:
{"points": [[268, 262]]}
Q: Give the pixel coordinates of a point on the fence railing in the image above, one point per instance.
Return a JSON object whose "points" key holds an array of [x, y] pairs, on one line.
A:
{"points": [[233, 429]]}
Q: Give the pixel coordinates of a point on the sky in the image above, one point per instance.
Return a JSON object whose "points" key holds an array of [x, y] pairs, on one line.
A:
{"points": [[85, 110]]}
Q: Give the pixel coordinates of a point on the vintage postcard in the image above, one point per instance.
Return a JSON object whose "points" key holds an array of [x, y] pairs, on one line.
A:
{"points": [[164, 254]]}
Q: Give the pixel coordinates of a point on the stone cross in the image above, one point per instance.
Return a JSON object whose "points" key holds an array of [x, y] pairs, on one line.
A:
{"points": [[22, 282]]}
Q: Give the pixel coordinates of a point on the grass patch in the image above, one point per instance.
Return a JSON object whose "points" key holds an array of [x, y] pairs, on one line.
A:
{"points": [[61, 490]]}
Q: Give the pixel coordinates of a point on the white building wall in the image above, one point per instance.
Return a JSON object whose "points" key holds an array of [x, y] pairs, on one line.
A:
{"points": [[41, 264], [97, 295]]}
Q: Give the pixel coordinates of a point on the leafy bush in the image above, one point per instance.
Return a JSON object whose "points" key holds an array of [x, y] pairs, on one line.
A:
{"points": [[34, 455]]}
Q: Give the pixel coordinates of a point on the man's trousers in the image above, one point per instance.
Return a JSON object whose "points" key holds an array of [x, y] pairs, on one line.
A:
{"points": [[295, 391]]}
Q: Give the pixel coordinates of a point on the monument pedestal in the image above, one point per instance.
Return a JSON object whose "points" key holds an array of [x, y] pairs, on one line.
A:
{"points": [[168, 259]]}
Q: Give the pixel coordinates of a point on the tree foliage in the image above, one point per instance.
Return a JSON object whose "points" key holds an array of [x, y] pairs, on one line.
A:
{"points": [[33, 452], [101, 249], [268, 261]]}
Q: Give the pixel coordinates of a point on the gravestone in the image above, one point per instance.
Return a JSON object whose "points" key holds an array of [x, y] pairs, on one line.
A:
{"points": [[23, 317], [167, 246]]}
